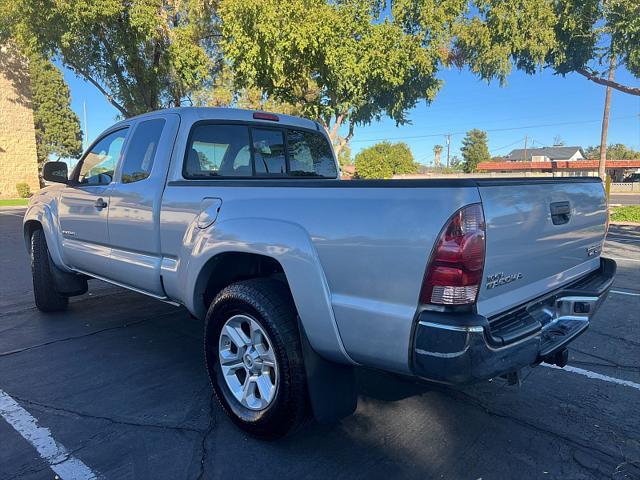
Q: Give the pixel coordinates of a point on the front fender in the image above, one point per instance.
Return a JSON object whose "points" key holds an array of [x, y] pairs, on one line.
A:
{"points": [[291, 246], [43, 214]]}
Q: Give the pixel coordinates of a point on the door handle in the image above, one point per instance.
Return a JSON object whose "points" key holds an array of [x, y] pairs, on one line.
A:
{"points": [[100, 204], [560, 212]]}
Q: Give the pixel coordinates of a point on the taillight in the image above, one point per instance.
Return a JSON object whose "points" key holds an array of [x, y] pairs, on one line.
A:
{"points": [[454, 272]]}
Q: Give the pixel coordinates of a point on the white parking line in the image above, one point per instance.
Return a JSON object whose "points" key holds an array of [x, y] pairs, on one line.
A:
{"points": [[624, 259], [625, 293], [595, 376], [59, 459]]}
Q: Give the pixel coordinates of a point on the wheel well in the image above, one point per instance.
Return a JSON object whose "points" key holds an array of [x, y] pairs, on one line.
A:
{"points": [[227, 268], [30, 226]]}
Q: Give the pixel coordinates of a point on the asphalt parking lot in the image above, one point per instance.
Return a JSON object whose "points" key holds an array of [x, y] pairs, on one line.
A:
{"points": [[118, 386], [625, 199]]}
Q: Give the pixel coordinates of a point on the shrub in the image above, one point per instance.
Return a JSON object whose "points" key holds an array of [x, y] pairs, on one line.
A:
{"points": [[628, 213], [384, 160], [23, 190]]}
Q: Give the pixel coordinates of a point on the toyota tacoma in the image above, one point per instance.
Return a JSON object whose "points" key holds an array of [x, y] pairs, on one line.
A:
{"points": [[241, 218]]}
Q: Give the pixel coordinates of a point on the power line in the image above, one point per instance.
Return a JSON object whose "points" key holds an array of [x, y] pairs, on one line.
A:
{"points": [[505, 129], [506, 146]]}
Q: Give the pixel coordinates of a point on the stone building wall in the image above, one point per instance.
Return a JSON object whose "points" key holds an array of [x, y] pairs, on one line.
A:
{"points": [[18, 161]]}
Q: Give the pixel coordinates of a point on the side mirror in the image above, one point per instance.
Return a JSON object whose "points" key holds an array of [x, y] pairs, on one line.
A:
{"points": [[55, 172]]}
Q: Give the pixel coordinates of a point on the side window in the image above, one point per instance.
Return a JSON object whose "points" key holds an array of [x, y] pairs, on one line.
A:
{"points": [[218, 150], [268, 148], [310, 155], [98, 165], [142, 150]]}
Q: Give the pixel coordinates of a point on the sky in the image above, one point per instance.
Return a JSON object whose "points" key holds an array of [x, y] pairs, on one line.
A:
{"points": [[541, 107]]}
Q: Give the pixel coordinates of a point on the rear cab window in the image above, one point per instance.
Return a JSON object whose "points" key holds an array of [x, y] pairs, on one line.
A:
{"points": [[221, 150]]}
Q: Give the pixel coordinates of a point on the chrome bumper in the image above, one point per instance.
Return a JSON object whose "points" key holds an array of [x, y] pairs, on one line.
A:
{"points": [[459, 348]]}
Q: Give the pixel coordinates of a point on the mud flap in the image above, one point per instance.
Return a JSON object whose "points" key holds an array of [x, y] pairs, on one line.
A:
{"points": [[68, 284], [331, 386]]}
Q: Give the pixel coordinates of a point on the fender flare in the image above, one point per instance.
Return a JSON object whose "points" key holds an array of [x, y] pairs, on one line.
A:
{"points": [[41, 213], [290, 245]]}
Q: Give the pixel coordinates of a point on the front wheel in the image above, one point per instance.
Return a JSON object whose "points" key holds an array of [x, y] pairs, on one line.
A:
{"points": [[254, 357], [47, 297]]}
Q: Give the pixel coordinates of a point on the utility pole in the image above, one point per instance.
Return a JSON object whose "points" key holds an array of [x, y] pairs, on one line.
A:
{"points": [[602, 171], [525, 148], [86, 128], [448, 148]]}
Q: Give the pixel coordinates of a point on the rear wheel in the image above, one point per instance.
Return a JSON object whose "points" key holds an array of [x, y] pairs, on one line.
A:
{"points": [[254, 357], [47, 298]]}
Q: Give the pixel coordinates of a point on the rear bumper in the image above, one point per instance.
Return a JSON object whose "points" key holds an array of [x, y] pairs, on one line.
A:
{"points": [[459, 348]]}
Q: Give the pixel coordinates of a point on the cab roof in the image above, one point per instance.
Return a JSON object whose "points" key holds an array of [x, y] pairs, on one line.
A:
{"points": [[194, 114]]}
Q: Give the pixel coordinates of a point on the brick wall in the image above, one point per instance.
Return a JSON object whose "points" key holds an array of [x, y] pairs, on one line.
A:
{"points": [[18, 161]]}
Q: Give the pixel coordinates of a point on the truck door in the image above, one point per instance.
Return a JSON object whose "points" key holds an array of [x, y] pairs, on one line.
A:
{"points": [[84, 205], [135, 198]]}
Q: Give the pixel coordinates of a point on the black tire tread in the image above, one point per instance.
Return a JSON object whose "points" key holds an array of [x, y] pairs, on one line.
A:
{"points": [[272, 300], [47, 298]]}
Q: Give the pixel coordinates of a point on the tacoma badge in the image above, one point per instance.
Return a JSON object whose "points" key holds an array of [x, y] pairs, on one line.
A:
{"points": [[498, 279]]}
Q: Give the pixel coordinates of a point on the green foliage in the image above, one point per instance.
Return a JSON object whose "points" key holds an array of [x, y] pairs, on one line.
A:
{"points": [[474, 150], [13, 202], [23, 190], [141, 54], [616, 151], [225, 92], [383, 160], [57, 126], [456, 163], [341, 62], [492, 36], [627, 213], [344, 157]]}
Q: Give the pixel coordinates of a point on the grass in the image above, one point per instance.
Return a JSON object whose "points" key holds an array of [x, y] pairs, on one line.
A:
{"points": [[628, 213], [13, 202]]}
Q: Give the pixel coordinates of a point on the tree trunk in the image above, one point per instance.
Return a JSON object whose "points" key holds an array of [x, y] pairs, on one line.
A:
{"points": [[337, 141], [602, 172]]}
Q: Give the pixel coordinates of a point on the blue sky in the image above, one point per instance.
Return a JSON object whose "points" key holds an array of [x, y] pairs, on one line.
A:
{"points": [[541, 107]]}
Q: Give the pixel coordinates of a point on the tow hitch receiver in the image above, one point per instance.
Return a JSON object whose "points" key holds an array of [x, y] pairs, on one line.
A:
{"points": [[560, 358]]}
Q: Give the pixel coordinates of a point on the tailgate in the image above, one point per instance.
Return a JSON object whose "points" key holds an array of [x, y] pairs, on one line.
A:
{"points": [[541, 234]]}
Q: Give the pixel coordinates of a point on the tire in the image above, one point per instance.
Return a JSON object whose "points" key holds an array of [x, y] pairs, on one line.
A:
{"points": [[268, 303], [47, 298]]}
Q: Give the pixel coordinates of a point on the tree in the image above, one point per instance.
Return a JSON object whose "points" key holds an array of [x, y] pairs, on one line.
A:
{"points": [[616, 151], [141, 54], [343, 62], [456, 163], [474, 150], [437, 151], [384, 160], [57, 126], [225, 92], [493, 36], [344, 157]]}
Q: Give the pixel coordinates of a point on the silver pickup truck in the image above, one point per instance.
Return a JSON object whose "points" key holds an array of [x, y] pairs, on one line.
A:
{"points": [[240, 217]]}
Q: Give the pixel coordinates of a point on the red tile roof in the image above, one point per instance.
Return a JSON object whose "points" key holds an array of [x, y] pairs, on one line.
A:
{"points": [[556, 165]]}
